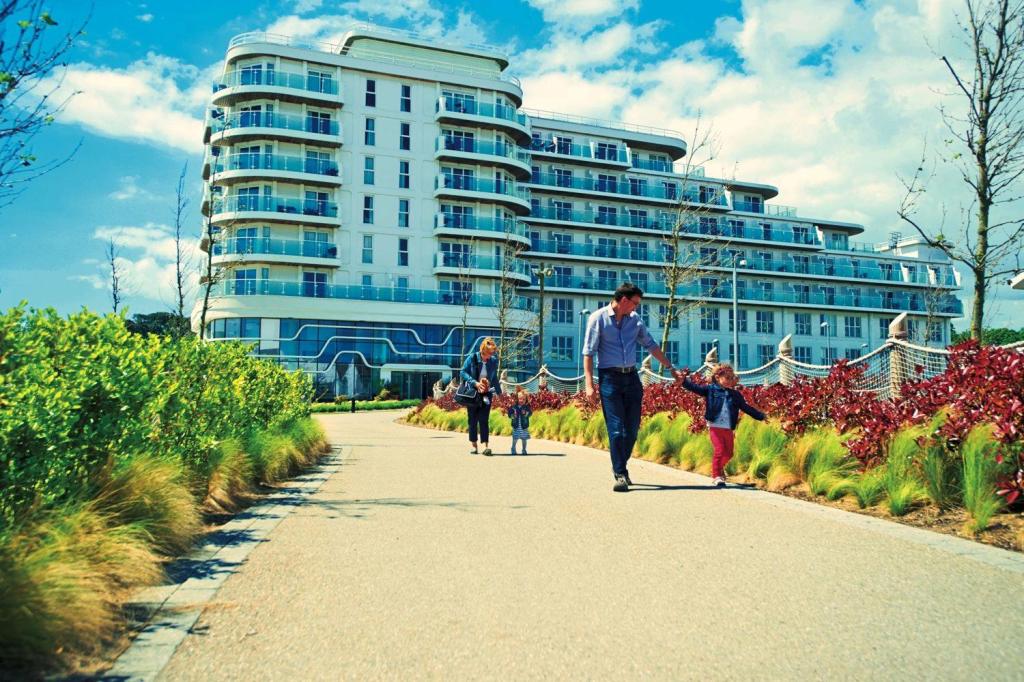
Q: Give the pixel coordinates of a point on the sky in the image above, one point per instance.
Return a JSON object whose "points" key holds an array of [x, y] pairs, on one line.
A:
{"points": [[831, 101]]}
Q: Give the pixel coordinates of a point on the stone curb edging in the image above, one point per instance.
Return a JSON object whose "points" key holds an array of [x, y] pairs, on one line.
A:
{"points": [[175, 608]]}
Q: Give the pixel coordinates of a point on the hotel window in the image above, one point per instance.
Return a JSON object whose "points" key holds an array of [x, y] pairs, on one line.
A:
{"points": [[370, 132], [801, 264], [708, 255], [606, 151], [367, 248], [563, 145], [708, 286], [828, 295], [852, 327], [737, 362], [606, 247], [368, 210], [644, 312], [935, 332], [637, 217], [802, 324], [765, 322], [766, 231], [827, 325], [852, 353], [708, 195], [708, 225], [371, 93], [607, 279], [563, 275], [742, 314], [562, 210], [367, 280], [638, 186], [563, 177], [801, 293], [802, 354], [314, 284], [403, 252], [671, 351], [663, 317], [561, 348], [705, 348], [767, 291], [912, 330], [607, 215], [402, 282], [404, 137], [245, 282], [828, 355], [765, 353], [405, 103], [369, 172], [460, 102], [561, 310], [607, 183], [318, 122], [319, 81], [735, 228], [801, 234], [403, 174], [561, 242], [403, 213], [709, 319], [638, 278], [636, 249]]}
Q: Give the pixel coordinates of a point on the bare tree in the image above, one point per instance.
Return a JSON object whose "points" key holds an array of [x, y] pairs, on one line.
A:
{"points": [[182, 260], [212, 236], [113, 253], [513, 334], [30, 50], [681, 245], [464, 280], [987, 147]]}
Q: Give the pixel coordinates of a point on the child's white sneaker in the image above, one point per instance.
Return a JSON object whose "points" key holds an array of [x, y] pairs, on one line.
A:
{"points": [[718, 482]]}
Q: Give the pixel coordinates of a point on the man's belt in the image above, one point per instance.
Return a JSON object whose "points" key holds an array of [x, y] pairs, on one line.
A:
{"points": [[619, 370]]}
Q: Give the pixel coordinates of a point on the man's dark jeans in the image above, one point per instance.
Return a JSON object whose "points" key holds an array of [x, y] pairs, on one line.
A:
{"points": [[621, 397]]}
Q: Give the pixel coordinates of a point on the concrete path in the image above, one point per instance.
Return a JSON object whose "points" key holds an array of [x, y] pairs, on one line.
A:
{"points": [[416, 560]]}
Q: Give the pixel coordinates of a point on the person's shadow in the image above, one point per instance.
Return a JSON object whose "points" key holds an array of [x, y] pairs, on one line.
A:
{"points": [[640, 487]]}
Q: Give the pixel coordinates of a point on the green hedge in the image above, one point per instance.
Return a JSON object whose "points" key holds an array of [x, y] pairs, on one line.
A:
{"points": [[80, 396]]}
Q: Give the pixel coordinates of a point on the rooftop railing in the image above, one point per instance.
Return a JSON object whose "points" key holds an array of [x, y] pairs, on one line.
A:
{"points": [[269, 287], [581, 151], [766, 209], [264, 119], [615, 125]]}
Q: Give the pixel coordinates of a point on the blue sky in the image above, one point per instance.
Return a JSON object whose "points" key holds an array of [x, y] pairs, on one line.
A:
{"points": [[829, 101]]}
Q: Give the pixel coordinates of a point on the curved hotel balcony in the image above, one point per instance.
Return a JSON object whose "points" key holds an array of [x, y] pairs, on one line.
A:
{"points": [[244, 126], [356, 292], [483, 152], [250, 83], [480, 227], [627, 220], [591, 154], [247, 166], [483, 115], [458, 264], [637, 189], [461, 188], [269, 208], [282, 251]]}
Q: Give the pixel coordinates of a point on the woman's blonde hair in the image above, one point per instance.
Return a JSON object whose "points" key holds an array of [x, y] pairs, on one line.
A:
{"points": [[721, 369], [488, 341]]}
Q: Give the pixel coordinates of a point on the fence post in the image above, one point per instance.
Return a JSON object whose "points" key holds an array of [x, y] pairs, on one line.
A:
{"points": [[898, 369], [785, 356], [542, 378]]}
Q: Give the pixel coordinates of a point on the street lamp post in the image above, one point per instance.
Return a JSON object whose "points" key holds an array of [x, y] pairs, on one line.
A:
{"points": [[828, 343], [579, 354], [541, 273], [742, 263]]}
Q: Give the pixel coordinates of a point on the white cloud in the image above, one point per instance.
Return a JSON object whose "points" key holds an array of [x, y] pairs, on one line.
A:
{"points": [[146, 259], [128, 188], [157, 100], [145, 18], [582, 14]]}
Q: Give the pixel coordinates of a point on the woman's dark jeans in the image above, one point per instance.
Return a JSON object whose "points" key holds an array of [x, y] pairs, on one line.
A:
{"points": [[479, 414]]}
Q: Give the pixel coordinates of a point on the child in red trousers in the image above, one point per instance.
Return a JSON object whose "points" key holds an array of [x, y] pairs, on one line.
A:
{"points": [[722, 413]]}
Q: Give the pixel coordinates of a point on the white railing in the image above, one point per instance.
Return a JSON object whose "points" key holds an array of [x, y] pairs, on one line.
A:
{"points": [[617, 125]]}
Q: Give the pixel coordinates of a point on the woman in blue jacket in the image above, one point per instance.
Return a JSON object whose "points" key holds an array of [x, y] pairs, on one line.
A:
{"points": [[481, 370], [722, 412]]}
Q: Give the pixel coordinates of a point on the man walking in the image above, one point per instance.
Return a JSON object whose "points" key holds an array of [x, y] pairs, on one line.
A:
{"points": [[613, 333]]}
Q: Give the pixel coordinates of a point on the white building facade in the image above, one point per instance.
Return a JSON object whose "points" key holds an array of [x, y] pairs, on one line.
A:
{"points": [[381, 203]]}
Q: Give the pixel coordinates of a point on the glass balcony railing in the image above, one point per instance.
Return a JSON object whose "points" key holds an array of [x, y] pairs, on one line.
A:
{"points": [[766, 209], [482, 223], [486, 147], [580, 151], [277, 247], [590, 250], [635, 187], [279, 79], [473, 108], [665, 222], [269, 287], [465, 261], [281, 162], [648, 164], [264, 119], [472, 183], [274, 204], [723, 292]]}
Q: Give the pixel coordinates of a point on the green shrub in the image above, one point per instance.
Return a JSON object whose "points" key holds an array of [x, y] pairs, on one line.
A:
{"points": [[868, 487], [903, 489], [979, 474]]}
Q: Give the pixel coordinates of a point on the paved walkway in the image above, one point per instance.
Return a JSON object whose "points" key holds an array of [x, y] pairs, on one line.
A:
{"points": [[415, 560]]}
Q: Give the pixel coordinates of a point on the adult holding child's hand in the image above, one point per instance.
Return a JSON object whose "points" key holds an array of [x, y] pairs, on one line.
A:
{"points": [[477, 371]]}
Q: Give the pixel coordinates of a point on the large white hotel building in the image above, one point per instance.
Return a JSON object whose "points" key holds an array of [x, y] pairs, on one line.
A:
{"points": [[367, 196]]}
